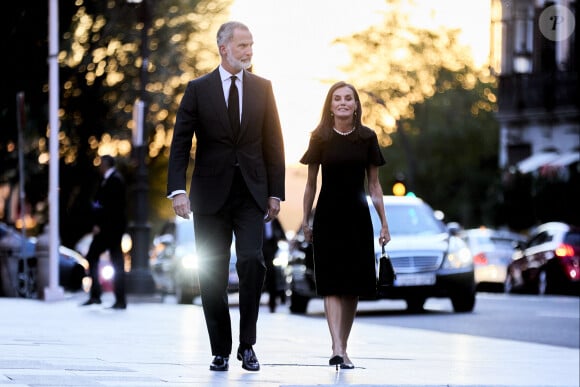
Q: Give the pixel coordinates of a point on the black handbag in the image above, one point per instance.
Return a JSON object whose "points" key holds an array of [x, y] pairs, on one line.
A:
{"points": [[387, 273]]}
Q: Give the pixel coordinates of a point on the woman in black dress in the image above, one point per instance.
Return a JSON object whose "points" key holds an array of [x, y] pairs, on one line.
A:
{"points": [[342, 232]]}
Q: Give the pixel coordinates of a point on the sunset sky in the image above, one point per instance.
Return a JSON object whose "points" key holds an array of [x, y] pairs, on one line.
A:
{"points": [[292, 48]]}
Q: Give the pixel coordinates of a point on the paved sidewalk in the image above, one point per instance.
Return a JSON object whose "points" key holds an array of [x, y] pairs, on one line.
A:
{"points": [[166, 345]]}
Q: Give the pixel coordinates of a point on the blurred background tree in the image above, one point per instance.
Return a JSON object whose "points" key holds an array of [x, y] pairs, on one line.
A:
{"points": [[102, 58], [451, 156], [433, 111]]}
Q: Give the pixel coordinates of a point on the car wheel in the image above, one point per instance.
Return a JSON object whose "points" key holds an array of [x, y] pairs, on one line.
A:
{"points": [[184, 295], [463, 302], [27, 278], [508, 285], [298, 303], [415, 304], [543, 283]]}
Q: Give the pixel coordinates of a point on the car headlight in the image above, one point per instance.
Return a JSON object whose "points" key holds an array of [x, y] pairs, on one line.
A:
{"points": [[189, 261], [107, 272], [282, 255], [281, 260], [459, 255]]}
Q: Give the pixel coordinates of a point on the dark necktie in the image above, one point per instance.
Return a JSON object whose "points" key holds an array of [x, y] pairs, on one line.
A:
{"points": [[234, 106]]}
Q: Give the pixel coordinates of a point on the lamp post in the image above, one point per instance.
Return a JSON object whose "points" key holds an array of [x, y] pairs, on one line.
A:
{"points": [[522, 62], [522, 65], [139, 279]]}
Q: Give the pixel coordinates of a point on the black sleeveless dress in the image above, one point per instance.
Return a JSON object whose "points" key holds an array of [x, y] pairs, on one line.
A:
{"points": [[343, 241]]}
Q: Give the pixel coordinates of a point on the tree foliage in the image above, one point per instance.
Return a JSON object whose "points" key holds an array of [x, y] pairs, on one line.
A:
{"points": [[433, 112], [103, 66], [102, 69], [100, 59], [398, 62], [450, 158]]}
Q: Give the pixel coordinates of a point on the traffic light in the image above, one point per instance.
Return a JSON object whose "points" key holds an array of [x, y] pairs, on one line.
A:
{"points": [[399, 188]]}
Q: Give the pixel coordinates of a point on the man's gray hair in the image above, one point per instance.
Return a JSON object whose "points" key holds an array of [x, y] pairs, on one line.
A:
{"points": [[226, 31]]}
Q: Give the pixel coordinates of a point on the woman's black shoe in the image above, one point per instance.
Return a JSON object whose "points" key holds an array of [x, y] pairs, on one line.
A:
{"points": [[346, 366], [336, 361]]}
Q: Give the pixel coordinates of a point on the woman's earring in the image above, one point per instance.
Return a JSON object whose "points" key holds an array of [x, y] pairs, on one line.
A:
{"points": [[331, 114]]}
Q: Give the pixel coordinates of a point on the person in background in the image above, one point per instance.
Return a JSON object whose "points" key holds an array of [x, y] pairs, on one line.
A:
{"points": [[273, 232], [237, 185], [110, 223], [341, 232]]}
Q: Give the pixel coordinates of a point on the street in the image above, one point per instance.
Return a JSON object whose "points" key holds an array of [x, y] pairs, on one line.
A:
{"points": [[552, 320]]}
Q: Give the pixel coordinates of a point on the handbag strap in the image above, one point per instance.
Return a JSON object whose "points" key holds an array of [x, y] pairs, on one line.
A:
{"points": [[383, 248]]}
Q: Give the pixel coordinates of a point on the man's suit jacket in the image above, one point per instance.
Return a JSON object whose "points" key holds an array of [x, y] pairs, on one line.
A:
{"points": [[258, 150], [110, 205]]}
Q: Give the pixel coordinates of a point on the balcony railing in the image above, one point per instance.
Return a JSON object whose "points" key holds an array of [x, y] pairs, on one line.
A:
{"points": [[538, 91]]}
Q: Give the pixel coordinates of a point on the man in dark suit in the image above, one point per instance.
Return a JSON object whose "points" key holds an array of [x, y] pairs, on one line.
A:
{"points": [[237, 184], [110, 222]]}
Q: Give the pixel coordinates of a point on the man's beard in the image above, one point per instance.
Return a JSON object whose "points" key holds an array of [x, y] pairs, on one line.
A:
{"points": [[237, 63]]}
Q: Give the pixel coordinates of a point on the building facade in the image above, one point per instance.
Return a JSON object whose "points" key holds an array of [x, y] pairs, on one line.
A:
{"points": [[534, 54]]}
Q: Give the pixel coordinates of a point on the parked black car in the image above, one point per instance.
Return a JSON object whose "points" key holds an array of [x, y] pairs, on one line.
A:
{"points": [[19, 265], [429, 259], [548, 262]]}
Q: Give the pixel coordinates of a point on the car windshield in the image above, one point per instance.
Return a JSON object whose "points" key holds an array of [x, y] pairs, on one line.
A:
{"points": [[572, 238], [489, 242], [409, 219]]}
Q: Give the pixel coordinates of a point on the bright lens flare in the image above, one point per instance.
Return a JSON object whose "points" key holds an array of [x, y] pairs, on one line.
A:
{"points": [[189, 261], [108, 272]]}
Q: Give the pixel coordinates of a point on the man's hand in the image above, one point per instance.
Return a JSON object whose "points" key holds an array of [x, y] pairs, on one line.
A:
{"points": [[273, 209], [181, 205]]}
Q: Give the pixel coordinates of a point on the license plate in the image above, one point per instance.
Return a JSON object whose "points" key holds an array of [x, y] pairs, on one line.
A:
{"points": [[415, 279]]}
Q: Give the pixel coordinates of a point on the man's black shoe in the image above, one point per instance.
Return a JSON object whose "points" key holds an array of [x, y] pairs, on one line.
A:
{"points": [[249, 359], [91, 301], [219, 363], [118, 305]]}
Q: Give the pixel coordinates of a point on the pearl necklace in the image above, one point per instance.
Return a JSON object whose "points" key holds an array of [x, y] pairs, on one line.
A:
{"points": [[344, 133]]}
